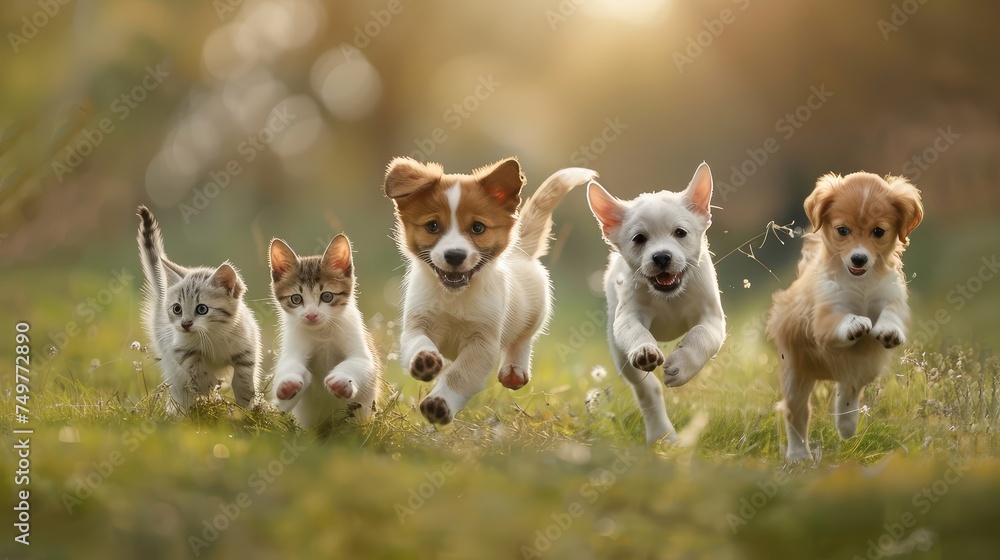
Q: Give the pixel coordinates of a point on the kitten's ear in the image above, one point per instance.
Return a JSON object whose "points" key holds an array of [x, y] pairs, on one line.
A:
{"points": [[405, 176], [699, 191], [906, 201], [502, 181], [282, 259], [227, 278], [337, 257], [818, 203], [174, 272], [608, 210]]}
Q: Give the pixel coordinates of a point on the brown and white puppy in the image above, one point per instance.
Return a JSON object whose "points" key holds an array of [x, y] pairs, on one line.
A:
{"points": [[476, 295], [848, 305]]}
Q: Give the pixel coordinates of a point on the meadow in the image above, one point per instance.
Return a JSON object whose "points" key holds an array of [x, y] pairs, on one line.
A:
{"points": [[557, 470]]}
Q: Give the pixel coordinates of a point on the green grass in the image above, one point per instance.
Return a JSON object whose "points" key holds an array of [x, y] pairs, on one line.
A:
{"points": [[115, 476]]}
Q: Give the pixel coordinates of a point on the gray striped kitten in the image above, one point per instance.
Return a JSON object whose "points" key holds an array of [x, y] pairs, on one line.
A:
{"points": [[327, 359], [197, 323]]}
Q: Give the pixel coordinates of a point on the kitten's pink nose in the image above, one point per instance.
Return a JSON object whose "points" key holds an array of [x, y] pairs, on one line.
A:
{"points": [[312, 317], [187, 325]]}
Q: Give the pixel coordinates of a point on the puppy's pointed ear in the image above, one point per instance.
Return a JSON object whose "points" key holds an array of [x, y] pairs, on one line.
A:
{"points": [[502, 181], [909, 209], [608, 210], [405, 176], [227, 278], [337, 257], [699, 191], [281, 258], [818, 203]]}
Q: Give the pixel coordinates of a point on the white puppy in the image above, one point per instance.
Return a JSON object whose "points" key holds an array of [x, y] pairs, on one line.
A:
{"points": [[660, 284]]}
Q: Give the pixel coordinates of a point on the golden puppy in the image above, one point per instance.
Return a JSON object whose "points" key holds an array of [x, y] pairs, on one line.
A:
{"points": [[848, 305]]}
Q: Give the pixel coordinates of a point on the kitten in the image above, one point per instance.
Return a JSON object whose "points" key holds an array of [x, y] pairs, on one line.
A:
{"points": [[197, 323], [327, 358]]}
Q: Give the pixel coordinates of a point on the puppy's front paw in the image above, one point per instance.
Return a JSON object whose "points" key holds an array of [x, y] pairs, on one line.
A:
{"points": [[435, 410], [646, 357], [426, 365], [890, 336], [852, 328], [676, 370], [513, 377], [340, 386], [288, 388]]}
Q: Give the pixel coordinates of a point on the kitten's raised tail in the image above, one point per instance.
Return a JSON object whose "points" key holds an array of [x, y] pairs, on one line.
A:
{"points": [[536, 216], [151, 252]]}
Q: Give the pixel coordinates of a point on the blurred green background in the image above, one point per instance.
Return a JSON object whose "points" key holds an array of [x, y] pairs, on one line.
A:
{"points": [[240, 120]]}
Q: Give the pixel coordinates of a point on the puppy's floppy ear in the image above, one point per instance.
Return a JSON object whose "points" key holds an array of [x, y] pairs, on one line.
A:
{"points": [[608, 210], [227, 278], [337, 256], [699, 191], [281, 258], [405, 176], [818, 203], [906, 201], [503, 181]]}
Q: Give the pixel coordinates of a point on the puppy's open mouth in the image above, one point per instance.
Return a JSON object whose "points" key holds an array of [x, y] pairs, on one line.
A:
{"points": [[454, 280], [667, 282], [857, 271]]}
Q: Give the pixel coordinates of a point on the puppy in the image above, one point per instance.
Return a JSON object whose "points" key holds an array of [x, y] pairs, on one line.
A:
{"points": [[476, 295], [848, 304], [660, 284]]}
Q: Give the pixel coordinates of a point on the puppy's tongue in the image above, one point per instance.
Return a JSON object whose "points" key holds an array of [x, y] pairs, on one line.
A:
{"points": [[666, 279]]}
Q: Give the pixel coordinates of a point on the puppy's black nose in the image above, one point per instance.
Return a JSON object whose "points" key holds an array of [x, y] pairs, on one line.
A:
{"points": [[859, 260], [186, 324], [454, 257], [662, 260]]}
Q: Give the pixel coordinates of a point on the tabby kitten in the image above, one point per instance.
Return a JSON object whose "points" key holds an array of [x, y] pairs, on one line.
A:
{"points": [[326, 359], [197, 323]]}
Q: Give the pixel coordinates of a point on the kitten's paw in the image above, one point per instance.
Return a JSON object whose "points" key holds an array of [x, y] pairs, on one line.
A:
{"points": [[676, 370], [890, 336], [288, 389], [341, 386], [851, 328], [435, 410], [513, 377], [646, 357], [426, 365]]}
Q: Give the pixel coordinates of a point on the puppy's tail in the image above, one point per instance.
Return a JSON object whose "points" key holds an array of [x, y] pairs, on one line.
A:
{"points": [[536, 216]]}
